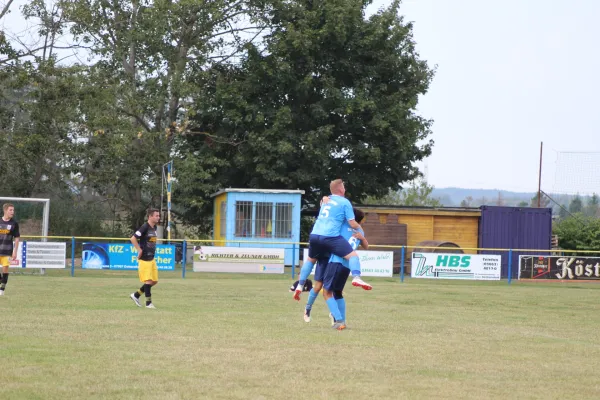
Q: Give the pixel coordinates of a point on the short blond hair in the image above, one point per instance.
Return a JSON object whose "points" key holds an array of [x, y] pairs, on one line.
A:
{"points": [[6, 206], [335, 184]]}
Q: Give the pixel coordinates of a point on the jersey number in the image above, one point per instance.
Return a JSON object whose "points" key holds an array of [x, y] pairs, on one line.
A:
{"points": [[325, 212], [353, 242]]}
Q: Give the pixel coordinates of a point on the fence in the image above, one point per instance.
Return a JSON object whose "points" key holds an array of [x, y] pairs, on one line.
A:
{"points": [[501, 263]]}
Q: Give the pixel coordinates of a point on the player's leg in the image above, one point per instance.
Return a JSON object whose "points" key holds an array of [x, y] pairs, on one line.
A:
{"points": [[354, 262], [145, 275], [328, 288], [340, 247], [135, 296], [5, 262], [314, 249], [314, 292], [339, 282], [150, 283]]}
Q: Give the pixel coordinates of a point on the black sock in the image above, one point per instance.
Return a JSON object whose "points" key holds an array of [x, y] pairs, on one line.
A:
{"points": [[140, 291], [148, 294], [4, 281]]}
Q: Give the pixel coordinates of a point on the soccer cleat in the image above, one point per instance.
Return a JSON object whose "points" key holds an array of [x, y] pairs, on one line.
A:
{"points": [[340, 326], [151, 306], [1, 292], [297, 294], [360, 283], [135, 299], [306, 315], [331, 319]]}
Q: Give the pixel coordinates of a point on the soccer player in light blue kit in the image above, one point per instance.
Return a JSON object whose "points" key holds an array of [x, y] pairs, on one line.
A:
{"points": [[326, 240], [334, 280], [356, 238]]}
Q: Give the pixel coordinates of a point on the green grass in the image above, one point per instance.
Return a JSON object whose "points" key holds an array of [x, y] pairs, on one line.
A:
{"points": [[225, 336]]}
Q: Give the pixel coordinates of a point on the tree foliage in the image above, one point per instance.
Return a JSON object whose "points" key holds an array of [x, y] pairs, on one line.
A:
{"points": [[239, 93], [578, 232], [331, 95]]}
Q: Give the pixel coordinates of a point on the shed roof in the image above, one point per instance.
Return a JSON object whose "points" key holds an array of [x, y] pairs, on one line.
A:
{"points": [[271, 191]]}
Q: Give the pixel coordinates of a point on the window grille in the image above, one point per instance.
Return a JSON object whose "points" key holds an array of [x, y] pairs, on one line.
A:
{"points": [[283, 220], [264, 220], [243, 218]]}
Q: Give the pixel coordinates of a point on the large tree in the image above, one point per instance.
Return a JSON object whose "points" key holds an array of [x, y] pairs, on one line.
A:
{"points": [[331, 94], [149, 58]]}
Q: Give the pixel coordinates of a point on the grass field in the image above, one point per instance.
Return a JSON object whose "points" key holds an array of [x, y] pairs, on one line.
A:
{"points": [[224, 336]]}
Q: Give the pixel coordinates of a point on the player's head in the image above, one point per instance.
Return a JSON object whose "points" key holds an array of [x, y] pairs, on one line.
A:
{"points": [[337, 187], [153, 216], [9, 210], [358, 215]]}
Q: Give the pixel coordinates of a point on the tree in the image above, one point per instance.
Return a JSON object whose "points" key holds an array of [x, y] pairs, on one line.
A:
{"points": [[239, 93], [544, 201], [417, 194], [578, 232], [576, 205], [467, 202], [331, 95], [151, 58], [523, 204], [563, 212], [593, 204]]}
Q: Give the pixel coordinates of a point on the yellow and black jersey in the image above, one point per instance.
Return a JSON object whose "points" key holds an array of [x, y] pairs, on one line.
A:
{"points": [[9, 230], [146, 237]]}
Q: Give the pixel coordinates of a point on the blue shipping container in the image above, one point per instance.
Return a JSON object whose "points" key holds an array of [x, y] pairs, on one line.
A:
{"points": [[515, 228]]}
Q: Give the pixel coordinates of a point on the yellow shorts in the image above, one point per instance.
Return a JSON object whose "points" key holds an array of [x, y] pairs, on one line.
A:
{"points": [[4, 261], [147, 270]]}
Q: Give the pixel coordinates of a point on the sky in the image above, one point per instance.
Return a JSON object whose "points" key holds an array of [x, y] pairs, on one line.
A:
{"points": [[510, 75]]}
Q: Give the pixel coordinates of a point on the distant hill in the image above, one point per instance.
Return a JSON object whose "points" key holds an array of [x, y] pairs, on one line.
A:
{"points": [[454, 196]]}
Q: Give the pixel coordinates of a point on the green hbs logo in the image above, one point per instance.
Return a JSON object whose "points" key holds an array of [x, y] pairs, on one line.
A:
{"points": [[453, 261]]}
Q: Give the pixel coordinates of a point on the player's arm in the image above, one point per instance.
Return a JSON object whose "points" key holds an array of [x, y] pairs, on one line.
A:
{"points": [[136, 244], [324, 200], [17, 236], [364, 243], [353, 224], [349, 214], [134, 239]]}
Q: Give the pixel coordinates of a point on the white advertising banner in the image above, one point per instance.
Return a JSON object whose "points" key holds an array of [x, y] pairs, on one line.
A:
{"points": [[455, 266], [372, 263], [238, 259], [40, 255]]}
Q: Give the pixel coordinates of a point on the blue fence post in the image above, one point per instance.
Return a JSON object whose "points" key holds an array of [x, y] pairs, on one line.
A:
{"points": [[183, 259], [402, 255], [293, 259], [72, 255], [509, 265]]}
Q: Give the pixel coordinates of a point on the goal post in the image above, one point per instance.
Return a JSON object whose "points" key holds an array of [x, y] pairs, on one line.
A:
{"points": [[45, 215]]}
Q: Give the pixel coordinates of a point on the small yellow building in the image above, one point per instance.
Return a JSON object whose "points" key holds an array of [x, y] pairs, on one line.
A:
{"points": [[458, 225]]}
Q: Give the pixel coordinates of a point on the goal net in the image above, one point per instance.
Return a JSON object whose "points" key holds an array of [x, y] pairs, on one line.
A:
{"points": [[571, 183], [576, 173]]}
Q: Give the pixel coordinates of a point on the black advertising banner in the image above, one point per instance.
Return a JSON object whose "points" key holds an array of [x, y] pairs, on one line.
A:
{"points": [[559, 267]]}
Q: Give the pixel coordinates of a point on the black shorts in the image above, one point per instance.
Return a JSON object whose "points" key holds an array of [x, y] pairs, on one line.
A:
{"points": [[335, 277], [319, 246]]}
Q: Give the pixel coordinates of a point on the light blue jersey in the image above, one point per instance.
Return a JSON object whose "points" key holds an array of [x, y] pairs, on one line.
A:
{"points": [[347, 233], [332, 215]]}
